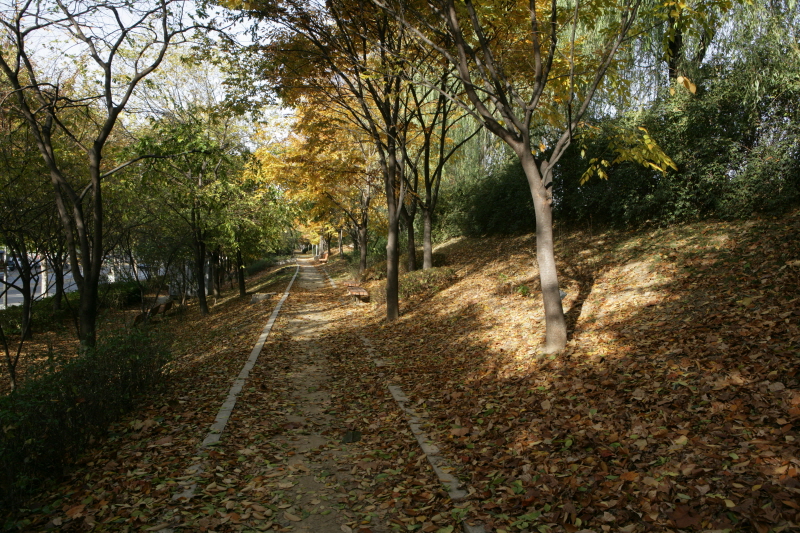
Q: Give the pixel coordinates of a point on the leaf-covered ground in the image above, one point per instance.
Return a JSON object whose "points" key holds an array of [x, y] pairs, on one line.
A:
{"points": [[676, 406]]}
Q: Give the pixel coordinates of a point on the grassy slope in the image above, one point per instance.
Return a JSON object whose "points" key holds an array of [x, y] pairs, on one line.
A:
{"points": [[675, 405]]}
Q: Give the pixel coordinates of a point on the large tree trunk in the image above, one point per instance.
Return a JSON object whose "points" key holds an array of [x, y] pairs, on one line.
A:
{"points": [[393, 203], [392, 270], [556, 324], [25, 276], [55, 262], [427, 242], [362, 251], [58, 273], [88, 314], [200, 274], [240, 273], [674, 52], [91, 256]]}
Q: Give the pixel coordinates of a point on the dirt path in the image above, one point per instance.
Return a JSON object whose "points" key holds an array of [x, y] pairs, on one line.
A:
{"points": [[280, 464], [301, 472]]}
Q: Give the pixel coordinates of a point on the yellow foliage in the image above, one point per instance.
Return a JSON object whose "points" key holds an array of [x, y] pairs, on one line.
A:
{"points": [[634, 146], [323, 165]]}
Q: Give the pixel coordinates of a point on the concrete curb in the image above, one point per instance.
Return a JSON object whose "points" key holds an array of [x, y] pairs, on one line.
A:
{"points": [[224, 413], [428, 446], [327, 276]]}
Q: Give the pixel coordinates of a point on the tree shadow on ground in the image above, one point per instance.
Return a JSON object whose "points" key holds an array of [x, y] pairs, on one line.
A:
{"points": [[663, 387]]}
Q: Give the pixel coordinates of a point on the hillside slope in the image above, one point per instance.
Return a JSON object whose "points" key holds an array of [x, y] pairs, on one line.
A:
{"points": [[675, 405]]}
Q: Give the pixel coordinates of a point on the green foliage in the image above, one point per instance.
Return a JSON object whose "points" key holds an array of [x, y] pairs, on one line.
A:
{"points": [[427, 281], [119, 294], [42, 317], [258, 266], [737, 155], [497, 203], [730, 123], [59, 411], [262, 264]]}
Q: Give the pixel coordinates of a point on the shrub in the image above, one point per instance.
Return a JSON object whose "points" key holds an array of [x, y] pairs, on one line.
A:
{"points": [[425, 281], [54, 415], [262, 264], [257, 266], [119, 294], [418, 282]]}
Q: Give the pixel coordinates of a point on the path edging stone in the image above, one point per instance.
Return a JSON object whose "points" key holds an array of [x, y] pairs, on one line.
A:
{"points": [[225, 411], [429, 448]]}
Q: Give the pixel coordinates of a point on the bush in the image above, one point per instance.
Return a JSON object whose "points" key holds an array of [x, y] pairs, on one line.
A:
{"points": [[55, 415], [499, 203], [119, 294], [425, 281], [736, 152], [419, 282], [258, 266], [262, 264]]}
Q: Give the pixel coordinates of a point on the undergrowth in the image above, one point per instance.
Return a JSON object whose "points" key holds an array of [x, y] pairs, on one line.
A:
{"points": [[66, 406]]}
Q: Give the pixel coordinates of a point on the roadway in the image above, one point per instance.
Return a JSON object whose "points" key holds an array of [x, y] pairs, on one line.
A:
{"points": [[14, 297]]}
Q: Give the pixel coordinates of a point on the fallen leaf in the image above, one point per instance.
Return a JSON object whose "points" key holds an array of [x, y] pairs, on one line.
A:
{"points": [[76, 511], [684, 517]]}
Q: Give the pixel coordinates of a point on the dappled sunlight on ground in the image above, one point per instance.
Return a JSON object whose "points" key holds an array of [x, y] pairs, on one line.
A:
{"points": [[675, 404]]}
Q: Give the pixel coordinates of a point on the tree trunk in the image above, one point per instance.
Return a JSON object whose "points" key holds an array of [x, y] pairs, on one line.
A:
{"points": [[411, 248], [213, 277], [12, 372], [87, 317], [341, 250], [240, 273], [675, 52], [362, 252], [92, 254], [555, 322], [427, 242], [392, 270], [391, 180], [25, 275], [58, 273], [200, 274]]}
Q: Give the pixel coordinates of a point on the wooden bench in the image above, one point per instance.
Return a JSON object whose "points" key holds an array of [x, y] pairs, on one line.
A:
{"points": [[323, 258], [358, 293], [139, 319], [158, 309]]}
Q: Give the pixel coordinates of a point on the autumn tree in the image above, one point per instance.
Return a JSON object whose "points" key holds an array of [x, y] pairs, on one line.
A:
{"points": [[199, 184], [116, 44], [433, 119], [328, 167], [351, 53], [522, 67]]}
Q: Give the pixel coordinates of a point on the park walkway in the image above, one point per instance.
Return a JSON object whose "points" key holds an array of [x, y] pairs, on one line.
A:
{"points": [[304, 464], [307, 439]]}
